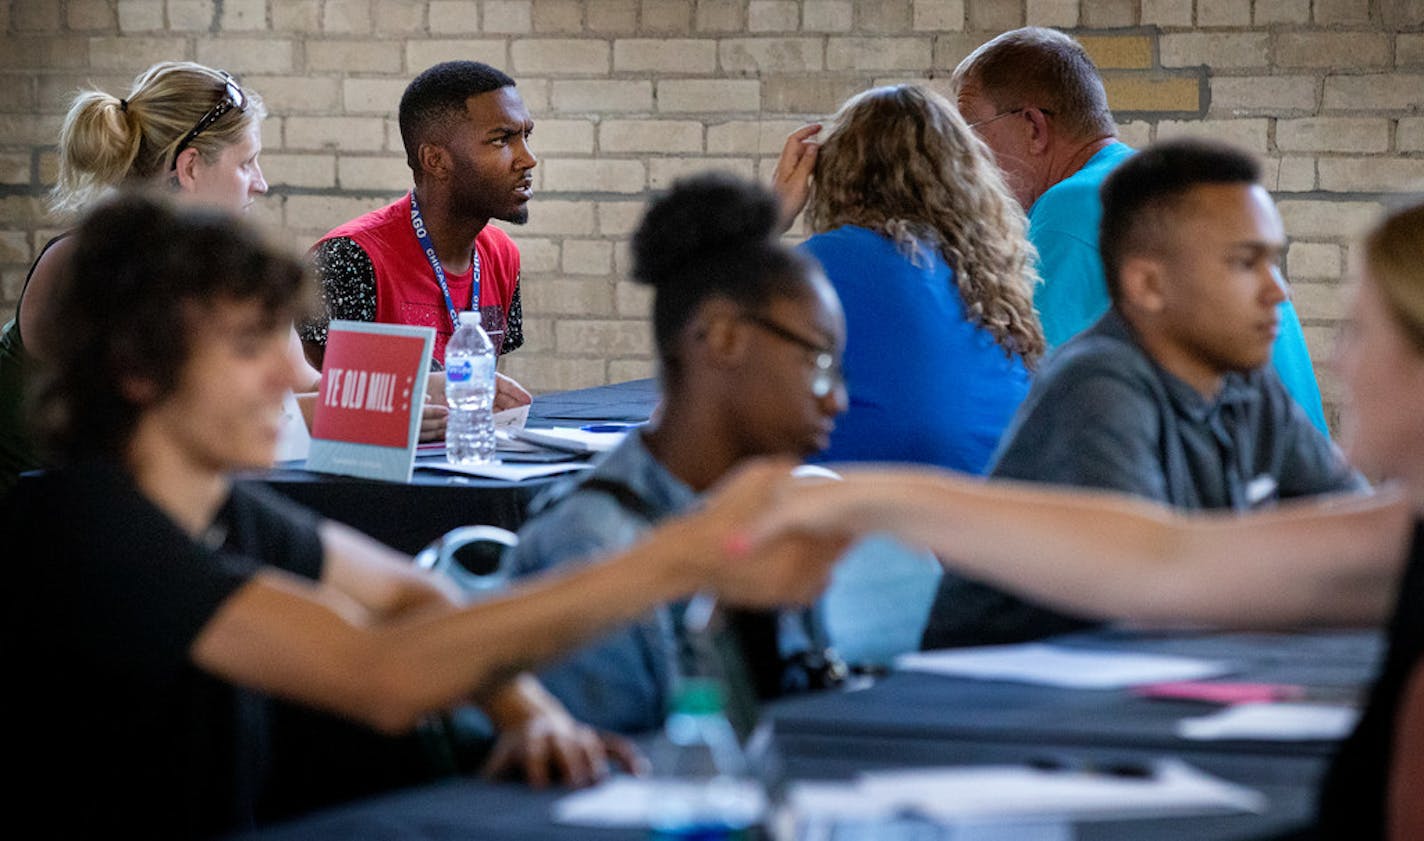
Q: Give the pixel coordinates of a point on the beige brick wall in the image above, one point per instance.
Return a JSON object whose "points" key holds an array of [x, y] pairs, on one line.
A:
{"points": [[629, 94]]}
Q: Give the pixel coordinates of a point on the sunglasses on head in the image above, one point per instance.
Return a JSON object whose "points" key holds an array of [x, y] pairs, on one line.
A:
{"points": [[232, 98]]}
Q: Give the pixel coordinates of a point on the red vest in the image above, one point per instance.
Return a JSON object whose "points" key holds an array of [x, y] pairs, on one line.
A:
{"points": [[406, 289]]}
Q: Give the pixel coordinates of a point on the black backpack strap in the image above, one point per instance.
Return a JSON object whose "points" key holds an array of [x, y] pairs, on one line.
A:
{"points": [[627, 498], [621, 493]]}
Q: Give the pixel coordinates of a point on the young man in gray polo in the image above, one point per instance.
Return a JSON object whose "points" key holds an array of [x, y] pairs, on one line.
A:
{"points": [[1169, 395]]}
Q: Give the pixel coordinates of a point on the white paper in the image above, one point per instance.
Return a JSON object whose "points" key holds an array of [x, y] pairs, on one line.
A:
{"points": [[627, 803], [511, 418], [1273, 722], [1174, 788], [499, 470], [1049, 665], [293, 437], [620, 802], [572, 439]]}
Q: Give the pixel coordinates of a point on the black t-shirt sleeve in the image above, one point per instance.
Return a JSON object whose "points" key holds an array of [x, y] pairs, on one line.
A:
{"points": [[514, 321], [264, 525], [348, 286]]}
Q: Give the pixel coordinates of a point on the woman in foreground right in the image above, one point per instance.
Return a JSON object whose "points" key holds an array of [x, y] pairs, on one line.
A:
{"points": [[1332, 562]]}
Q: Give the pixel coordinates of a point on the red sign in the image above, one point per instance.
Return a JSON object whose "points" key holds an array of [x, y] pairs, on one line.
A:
{"points": [[367, 385]]}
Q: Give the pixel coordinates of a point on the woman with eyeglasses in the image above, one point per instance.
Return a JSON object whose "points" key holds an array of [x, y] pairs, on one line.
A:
{"points": [[928, 253], [190, 128], [749, 337]]}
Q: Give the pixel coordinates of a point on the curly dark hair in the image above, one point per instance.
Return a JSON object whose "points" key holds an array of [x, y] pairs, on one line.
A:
{"points": [[711, 235], [143, 275]]}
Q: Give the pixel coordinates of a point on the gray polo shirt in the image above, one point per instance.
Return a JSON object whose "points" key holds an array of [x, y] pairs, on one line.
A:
{"points": [[1102, 414]]}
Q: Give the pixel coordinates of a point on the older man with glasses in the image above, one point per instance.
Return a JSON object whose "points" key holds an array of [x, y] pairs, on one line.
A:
{"points": [[1036, 99]]}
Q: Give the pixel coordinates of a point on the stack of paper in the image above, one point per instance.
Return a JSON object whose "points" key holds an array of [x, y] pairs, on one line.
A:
{"points": [[1016, 795], [1049, 665], [1273, 722]]}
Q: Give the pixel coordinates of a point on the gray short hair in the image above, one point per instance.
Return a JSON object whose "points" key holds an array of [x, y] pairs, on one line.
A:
{"points": [[1046, 69]]}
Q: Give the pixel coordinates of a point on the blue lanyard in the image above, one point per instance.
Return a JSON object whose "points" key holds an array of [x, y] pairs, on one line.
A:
{"points": [[421, 234]]}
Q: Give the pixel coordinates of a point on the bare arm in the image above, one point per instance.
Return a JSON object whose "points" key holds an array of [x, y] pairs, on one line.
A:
{"points": [[1406, 809], [791, 180], [333, 645], [38, 320], [1329, 561]]}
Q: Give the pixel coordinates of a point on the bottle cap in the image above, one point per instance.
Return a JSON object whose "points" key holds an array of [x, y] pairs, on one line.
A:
{"points": [[470, 317], [698, 696]]}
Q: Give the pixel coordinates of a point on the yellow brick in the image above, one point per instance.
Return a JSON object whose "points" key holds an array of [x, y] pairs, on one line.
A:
{"points": [[603, 338], [770, 55], [600, 96], [1118, 52], [400, 17], [284, 170], [422, 54], [544, 373], [582, 296], [588, 257], [772, 16], [594, 176], [557, 16], [719, 15], [386, 173], [939, 15], [241, 56], [1153, 93], [244, 15], [90, 14], [562, 57], [140, 15], [827, 16], [663, 171], [1061, 13], [352, 56], [612, 15], [1109, 14]]}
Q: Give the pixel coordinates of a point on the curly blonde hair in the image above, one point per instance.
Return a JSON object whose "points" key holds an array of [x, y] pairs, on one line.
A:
{"points": [[900, 161]]}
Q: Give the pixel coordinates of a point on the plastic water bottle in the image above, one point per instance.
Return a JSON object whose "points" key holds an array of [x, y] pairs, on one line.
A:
{"points": [[702, 789], [469, 389]]}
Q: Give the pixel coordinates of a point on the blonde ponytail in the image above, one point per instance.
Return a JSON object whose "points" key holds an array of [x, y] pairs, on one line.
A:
{"points": [[98, 144], [106, 141]]}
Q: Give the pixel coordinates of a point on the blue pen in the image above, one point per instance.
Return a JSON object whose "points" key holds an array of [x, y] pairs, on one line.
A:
{"points": [[608, 427]]}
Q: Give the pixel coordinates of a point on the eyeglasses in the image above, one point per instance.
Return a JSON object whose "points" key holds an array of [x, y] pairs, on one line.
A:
{"points": [[1009, 113], [233, 97], [828, 376]]}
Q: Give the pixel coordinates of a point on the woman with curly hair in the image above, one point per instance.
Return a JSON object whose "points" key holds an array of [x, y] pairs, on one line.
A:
{"points": [[928, 253]]}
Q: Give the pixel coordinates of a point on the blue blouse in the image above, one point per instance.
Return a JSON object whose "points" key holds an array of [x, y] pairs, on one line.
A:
{"points": [[925, 384]]}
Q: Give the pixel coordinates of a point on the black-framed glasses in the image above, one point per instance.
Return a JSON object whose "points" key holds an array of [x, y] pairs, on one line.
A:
{"points": [[1008, 113], [232, 98], [828, 376]]}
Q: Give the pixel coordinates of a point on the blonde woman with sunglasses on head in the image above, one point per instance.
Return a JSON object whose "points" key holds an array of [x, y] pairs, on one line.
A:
{"points": [[190, 128]]}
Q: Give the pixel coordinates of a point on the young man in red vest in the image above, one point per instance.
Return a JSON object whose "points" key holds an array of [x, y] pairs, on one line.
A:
{"points": [[432, 253]]}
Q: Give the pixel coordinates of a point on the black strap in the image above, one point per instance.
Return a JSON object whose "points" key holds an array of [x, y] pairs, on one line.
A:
{"points": [[627, 498]]}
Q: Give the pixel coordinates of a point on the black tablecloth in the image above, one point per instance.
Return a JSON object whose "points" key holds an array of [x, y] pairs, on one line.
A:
{"points": [[929, 710], [920, 720], [409, 516]]}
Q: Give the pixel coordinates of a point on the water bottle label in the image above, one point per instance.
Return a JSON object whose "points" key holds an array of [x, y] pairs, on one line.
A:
{"points": [[459, 369]]}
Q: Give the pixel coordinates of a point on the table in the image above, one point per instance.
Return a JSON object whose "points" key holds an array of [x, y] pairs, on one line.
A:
{"points": [[407, 517], [912, 719], [906, 711]]}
